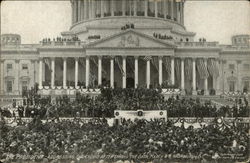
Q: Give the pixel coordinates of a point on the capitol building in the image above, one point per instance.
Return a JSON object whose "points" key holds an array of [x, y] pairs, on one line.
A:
{"points": [[125, 44]]}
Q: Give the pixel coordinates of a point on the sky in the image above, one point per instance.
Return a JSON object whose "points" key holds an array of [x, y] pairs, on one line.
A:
{"points": [[216, 20]]}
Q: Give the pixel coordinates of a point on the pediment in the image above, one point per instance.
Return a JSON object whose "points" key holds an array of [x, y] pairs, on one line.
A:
{"points": [[130, 39]]}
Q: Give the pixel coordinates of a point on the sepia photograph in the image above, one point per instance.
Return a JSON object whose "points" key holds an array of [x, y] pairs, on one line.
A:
{"points": [[125, 81]]}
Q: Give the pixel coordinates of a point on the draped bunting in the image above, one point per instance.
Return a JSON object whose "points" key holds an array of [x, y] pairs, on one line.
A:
{"points": [[188, 69], [118, 60], [213, 68], [167, 64], [202, 69], [177, 69], [155, 63]]}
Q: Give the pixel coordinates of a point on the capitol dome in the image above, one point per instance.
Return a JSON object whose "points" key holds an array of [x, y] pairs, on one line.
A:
{"points": [[96, 19]]}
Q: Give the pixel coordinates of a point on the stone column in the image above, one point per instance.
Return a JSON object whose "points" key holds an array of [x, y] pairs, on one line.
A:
{"points": [[64, 72], [17, 68], [178, 12], [112, 7], [87, 72], [218, 90], [93, 8], [40, 82], [172, 71], [112, 72], [79, 10], [206, 79], [165, 8], [135, 7], [136, 71], [72, 12], [123, 7], [182, 76], [102, 9], [156, 9], [148, 73], [2, 76], [90, 8], [85, 10], [194, 92], [172, 9], [238, 75], [160, 70], [146, 8], [76, 72], [52, 84], [182, 13], [99, 70], [124, 76]]}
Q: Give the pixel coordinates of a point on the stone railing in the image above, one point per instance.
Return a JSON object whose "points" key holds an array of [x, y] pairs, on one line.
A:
{"points": [[197, 44]]}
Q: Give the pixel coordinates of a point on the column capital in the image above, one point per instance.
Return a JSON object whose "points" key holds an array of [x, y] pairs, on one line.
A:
{"points": [[2, 60], [124, 57], [194, 58], [64, 58], [52, 58], [76, 58]]}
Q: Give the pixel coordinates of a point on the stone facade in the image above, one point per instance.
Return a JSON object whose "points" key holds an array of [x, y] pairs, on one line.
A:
{"points": [[125, 51]]}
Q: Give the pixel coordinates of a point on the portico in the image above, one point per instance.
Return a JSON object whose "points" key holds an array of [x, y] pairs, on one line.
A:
{"points": [[132, 55]]}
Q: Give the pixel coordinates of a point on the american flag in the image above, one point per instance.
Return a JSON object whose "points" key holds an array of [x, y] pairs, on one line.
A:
{"points": [[202, 69], [213, 68]]}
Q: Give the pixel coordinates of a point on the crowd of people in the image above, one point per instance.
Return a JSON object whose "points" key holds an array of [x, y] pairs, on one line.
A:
{"points": [[109, 100], [60, 39], [151, 140]]}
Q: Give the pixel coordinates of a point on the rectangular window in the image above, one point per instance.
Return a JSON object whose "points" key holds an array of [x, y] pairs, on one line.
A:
{"points": [[246, 67], [231, 66], [9, 86], [9, 66], [25, 66]]}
